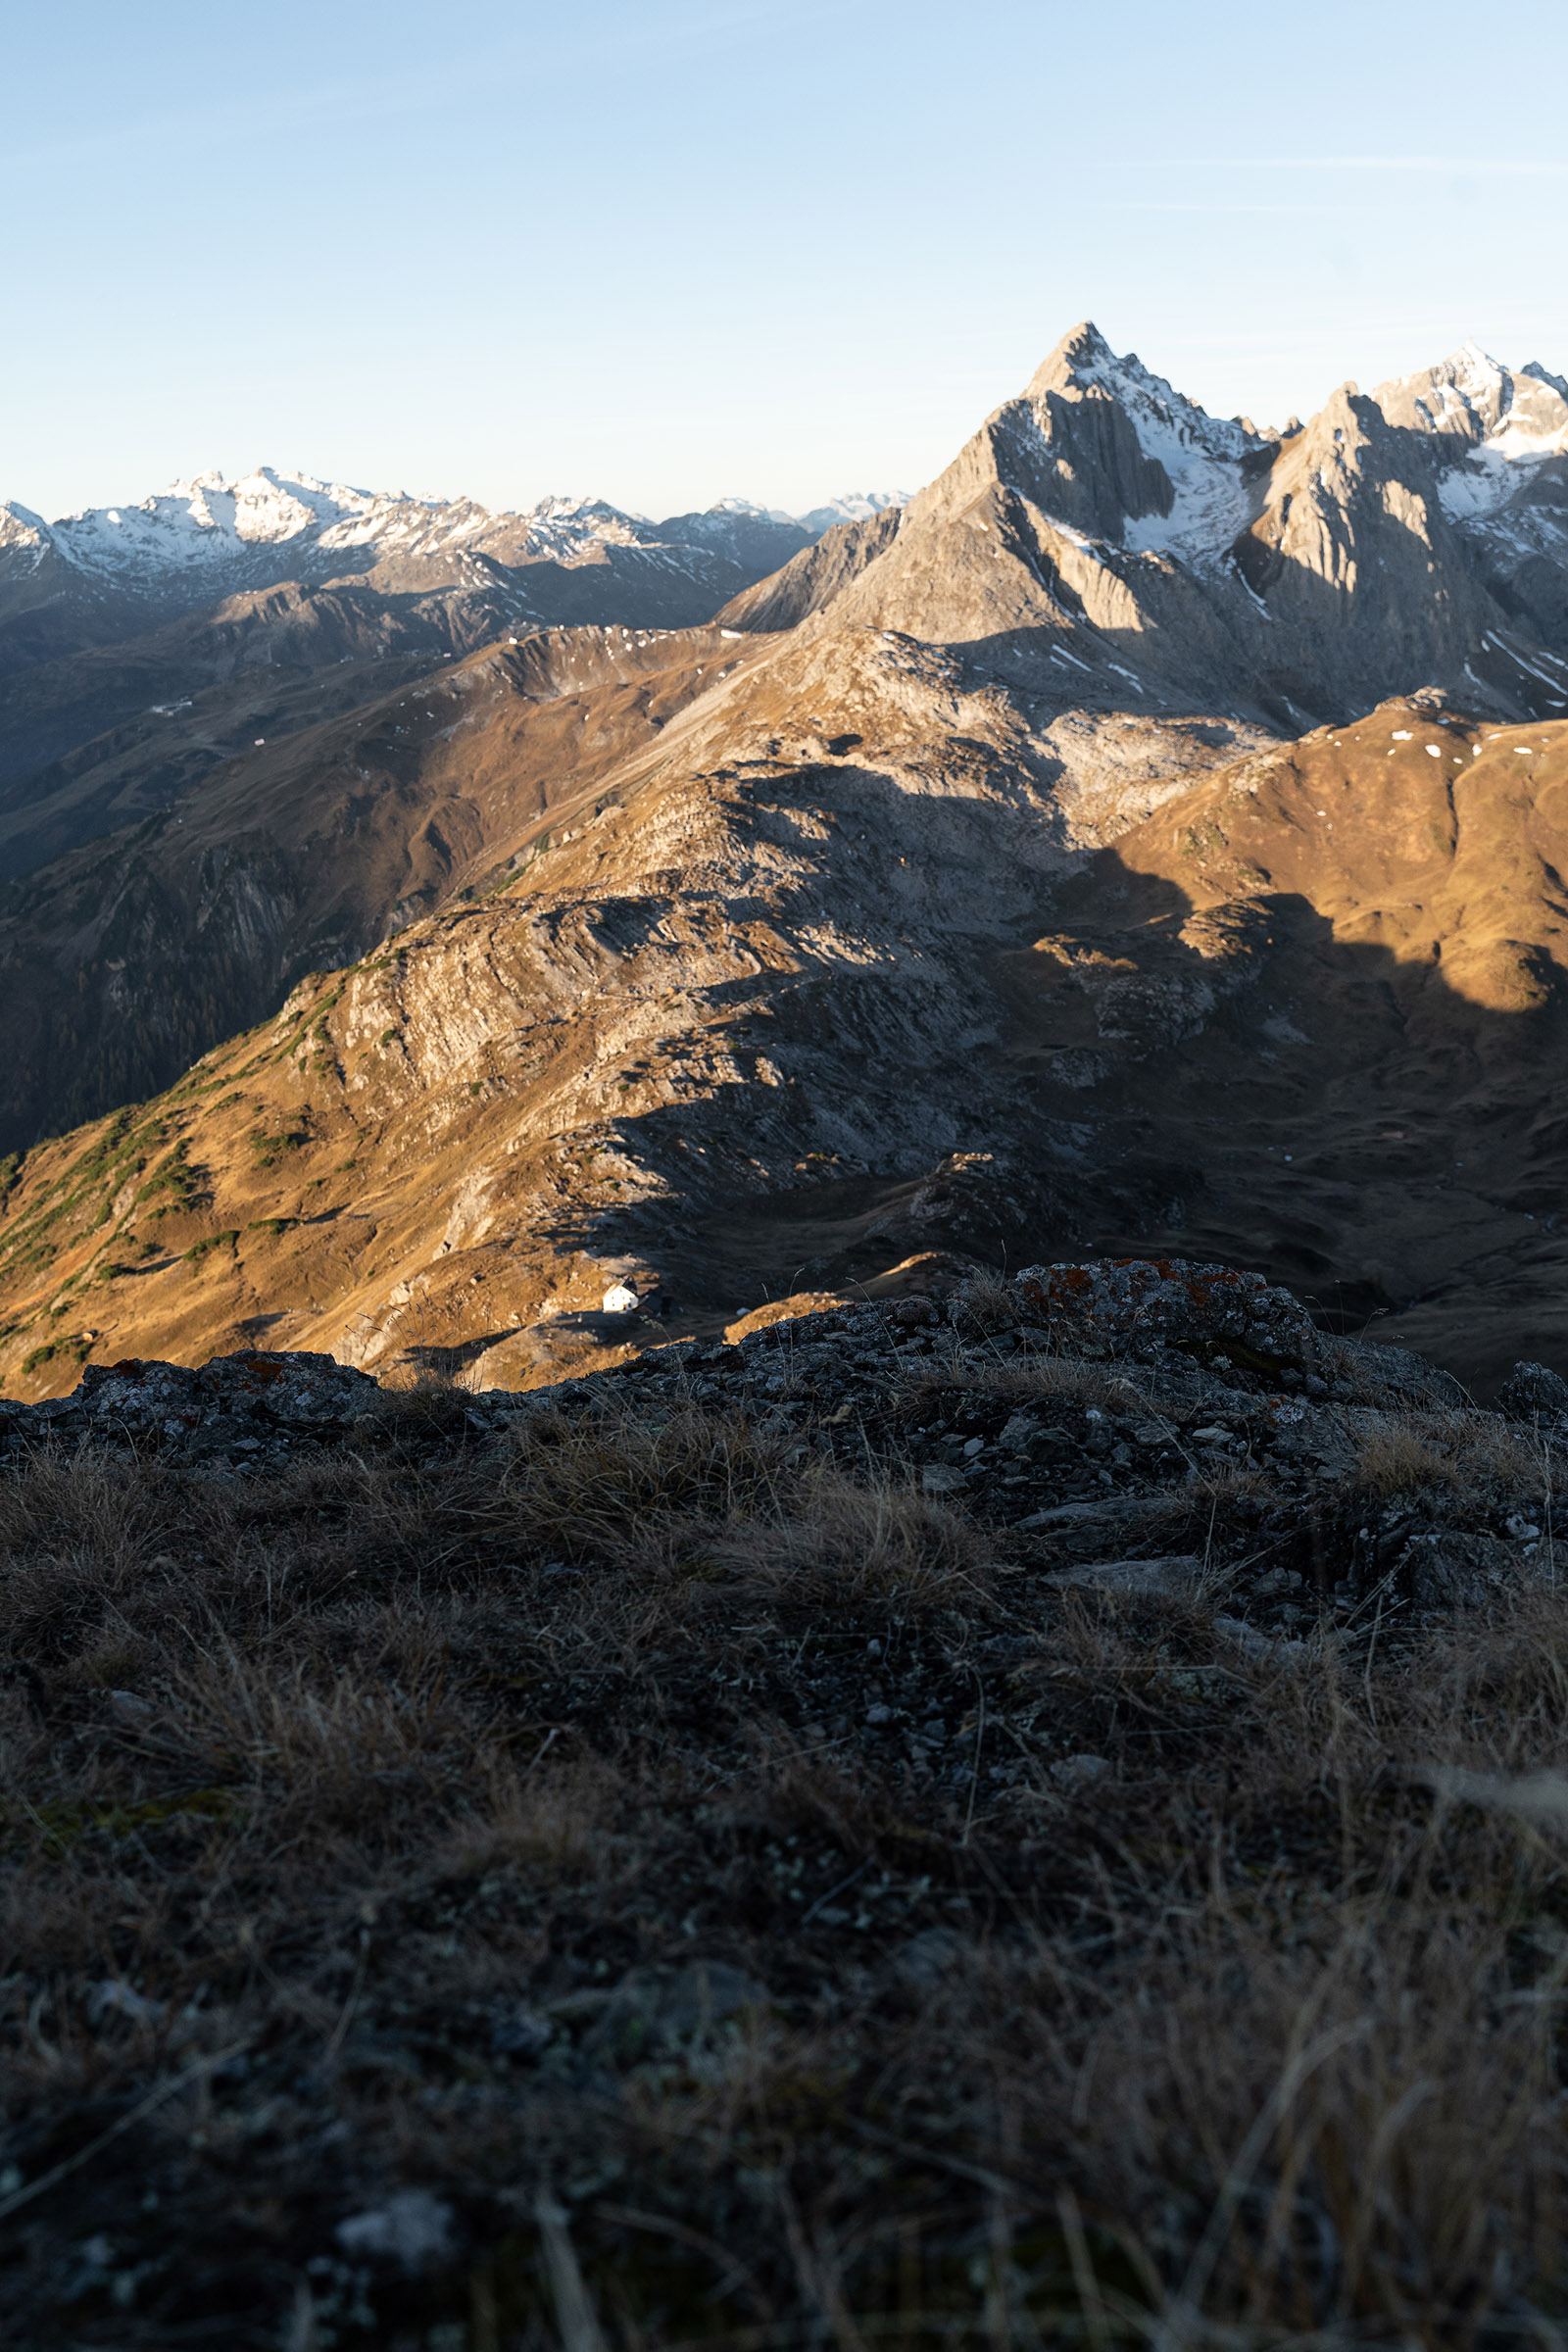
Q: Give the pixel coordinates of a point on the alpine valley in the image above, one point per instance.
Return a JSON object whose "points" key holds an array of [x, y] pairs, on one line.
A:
{"points": [[1150, 838]]}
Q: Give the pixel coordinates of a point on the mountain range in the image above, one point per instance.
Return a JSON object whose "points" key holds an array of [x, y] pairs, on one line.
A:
{"points": [[140, 645], [110, 570], [1148, 836]]}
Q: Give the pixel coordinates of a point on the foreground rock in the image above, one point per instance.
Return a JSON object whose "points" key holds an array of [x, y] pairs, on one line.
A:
{"points": [[1097, 1418]]}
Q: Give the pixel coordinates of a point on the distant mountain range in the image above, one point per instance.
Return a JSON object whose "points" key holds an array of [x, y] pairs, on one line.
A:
{"points": [[1147, 836], [209, 538], [182, 627]]}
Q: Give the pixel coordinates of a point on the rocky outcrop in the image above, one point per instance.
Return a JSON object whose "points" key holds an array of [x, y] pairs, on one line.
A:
{"points": [[1085, 1414], [1137, 1307], [814, 577], [252, 1404]]}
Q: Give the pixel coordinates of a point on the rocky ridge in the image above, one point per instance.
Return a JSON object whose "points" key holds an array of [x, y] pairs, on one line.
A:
{"points": [[792, 956], [682, 1008], [1088, 1414], [934, 620], [802, 1022]]}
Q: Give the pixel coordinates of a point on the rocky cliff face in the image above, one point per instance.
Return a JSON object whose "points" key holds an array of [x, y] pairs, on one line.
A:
{"points": [[1101, 534]]}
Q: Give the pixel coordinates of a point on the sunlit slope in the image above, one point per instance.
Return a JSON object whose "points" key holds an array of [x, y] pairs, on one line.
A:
{"points": [[749, 956], [1413, 832], [125, 959], [790, 1019], [1330, 981]]}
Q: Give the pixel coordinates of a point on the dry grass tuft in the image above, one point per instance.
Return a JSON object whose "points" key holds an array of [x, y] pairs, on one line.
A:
{"points": [[1452, 1449], [844, 1937], [556, 1818], [1229, 1482], [588, 1485], [984, 1303], [843, 1539]]}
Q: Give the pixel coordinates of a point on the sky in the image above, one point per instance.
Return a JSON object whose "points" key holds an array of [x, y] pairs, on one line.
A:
{"points": [[666, 251]]}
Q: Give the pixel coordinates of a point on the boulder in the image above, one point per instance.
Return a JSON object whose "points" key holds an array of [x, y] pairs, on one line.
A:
{"points": [[1135, 1306], [1532, 1391]]}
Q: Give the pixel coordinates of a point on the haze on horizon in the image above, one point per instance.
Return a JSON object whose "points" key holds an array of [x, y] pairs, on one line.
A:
{"points": [[692, 248]]}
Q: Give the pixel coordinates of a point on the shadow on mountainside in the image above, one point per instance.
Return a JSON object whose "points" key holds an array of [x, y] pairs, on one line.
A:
{"points": [[1233, 1082], [1306, 1017], [73, 715], [130, 957]]}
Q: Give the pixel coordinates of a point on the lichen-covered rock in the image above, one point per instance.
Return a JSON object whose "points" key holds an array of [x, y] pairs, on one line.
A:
{"points": [[1133, 1305], [288, 1389], [1532, 1392], [246, 1399]]}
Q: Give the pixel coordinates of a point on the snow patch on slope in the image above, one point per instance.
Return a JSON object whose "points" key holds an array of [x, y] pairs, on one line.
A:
{"points": [[1501, 424], [1201, 456]]}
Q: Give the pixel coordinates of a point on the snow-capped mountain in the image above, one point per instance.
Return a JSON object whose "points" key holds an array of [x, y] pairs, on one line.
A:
{"points": [[1500, 442], [1103, 533], [855, 505], [420, 575], [1100, 542], [286, 573], [269, 527], [211, 533], [139, 614]]}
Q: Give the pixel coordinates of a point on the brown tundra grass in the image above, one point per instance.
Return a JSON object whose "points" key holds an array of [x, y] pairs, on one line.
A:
{"points": [[1401, 1452], [647, 1856]]}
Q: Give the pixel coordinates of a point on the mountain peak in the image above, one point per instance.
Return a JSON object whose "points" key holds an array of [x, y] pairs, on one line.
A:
{"points": [[1492, 426], [1082, 349], [1472, 362]]}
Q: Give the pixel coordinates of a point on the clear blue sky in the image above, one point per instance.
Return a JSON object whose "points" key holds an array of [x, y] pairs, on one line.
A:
{"points": [[672, 249]]}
